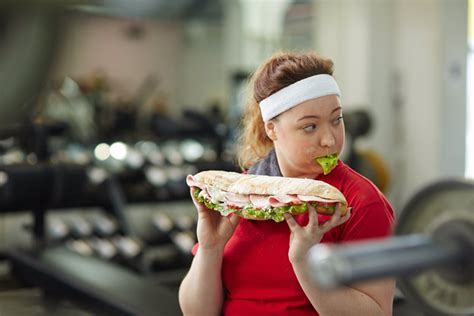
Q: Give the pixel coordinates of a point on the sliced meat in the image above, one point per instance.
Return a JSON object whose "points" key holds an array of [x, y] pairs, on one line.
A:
{"points": [[259, 201], [217, 196], [235, 200], [308, 198], [284, 199]]}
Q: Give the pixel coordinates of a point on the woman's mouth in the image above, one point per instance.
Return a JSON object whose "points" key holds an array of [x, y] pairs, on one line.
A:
{"points": [[327, 162]]}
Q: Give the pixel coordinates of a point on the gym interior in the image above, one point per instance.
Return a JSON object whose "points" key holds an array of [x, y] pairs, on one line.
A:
{"points": [[107, 106]]}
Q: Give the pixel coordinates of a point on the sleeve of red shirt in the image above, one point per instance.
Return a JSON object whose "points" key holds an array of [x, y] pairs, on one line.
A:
{"points": [[374, 220]]}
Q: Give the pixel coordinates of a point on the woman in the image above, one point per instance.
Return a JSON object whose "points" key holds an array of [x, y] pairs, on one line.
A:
{"points": [[244, 267]]}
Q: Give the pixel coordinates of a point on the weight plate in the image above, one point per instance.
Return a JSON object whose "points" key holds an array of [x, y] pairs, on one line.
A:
{"points": [[439, 205]]}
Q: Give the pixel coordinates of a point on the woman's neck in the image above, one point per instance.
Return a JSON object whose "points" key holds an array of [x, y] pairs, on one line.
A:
{"points": [[299, 174]]}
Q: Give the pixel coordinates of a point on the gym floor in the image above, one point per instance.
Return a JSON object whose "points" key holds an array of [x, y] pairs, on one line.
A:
{"points": [[18, 299]]}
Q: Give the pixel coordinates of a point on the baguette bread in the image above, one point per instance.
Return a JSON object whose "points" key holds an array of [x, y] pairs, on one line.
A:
{"points": [[262, 197]]}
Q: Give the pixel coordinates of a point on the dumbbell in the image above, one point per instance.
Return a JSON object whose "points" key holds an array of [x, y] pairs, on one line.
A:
{"points": [[80, 227], [163, 225], [160, 257], [104, 226], [103, 247], [57, 230]]}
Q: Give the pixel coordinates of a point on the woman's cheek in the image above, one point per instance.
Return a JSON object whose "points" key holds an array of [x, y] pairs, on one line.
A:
{"points": [[310, 151]]}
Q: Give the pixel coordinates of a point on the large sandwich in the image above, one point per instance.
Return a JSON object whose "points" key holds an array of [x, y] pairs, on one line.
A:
{"points": [[264, 197]]}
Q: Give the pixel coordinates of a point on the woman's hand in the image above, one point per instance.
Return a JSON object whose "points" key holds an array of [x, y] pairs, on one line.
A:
{"points": [[213, 230], [303, 238]]}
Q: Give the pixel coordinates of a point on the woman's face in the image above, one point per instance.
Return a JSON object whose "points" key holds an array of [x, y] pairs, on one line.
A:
{"points": [[311, 129]]}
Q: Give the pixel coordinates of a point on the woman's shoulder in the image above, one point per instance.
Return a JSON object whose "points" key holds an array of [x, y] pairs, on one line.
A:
{"points": [[372, 214]]}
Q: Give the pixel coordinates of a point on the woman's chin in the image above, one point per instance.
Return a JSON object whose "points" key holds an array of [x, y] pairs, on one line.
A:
{"points": [[311, 174], [308, 171]]}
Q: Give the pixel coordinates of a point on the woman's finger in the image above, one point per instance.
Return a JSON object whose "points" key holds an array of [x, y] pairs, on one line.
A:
{"points": [[290, 220], [336, 220], [339, 219], [313, 216], [234, 219], [346, 216]]}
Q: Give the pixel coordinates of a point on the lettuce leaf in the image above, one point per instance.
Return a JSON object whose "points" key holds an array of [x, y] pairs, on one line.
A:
{"points": [[328, 162]]}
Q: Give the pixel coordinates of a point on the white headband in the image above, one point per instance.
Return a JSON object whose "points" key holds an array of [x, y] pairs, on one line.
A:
{"points": [[296, 93]]}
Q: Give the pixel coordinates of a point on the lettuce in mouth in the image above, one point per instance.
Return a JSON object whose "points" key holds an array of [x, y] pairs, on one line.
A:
{"points": [[328, 162]]}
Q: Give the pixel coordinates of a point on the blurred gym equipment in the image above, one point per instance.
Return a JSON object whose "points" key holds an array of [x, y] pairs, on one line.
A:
{"points": [[29, 32], [433, 256], [54, 266], [88, 247], [366, 161]]}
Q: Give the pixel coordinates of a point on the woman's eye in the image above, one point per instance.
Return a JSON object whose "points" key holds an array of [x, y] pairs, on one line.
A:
{"points": [[338, 120], [309, 128]]}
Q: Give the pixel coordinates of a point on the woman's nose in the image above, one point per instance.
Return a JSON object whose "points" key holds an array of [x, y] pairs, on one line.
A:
{"points": [[327, 138]]}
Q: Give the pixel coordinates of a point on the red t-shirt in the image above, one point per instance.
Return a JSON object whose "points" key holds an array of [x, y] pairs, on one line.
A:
{"points": [[257, 275]]}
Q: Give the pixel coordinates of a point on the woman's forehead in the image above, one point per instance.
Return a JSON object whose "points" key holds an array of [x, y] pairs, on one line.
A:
{"points": [[321, 106]]}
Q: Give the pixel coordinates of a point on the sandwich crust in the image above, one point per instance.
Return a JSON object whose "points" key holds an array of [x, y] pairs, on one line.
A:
{"points": [[267, 185]]}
